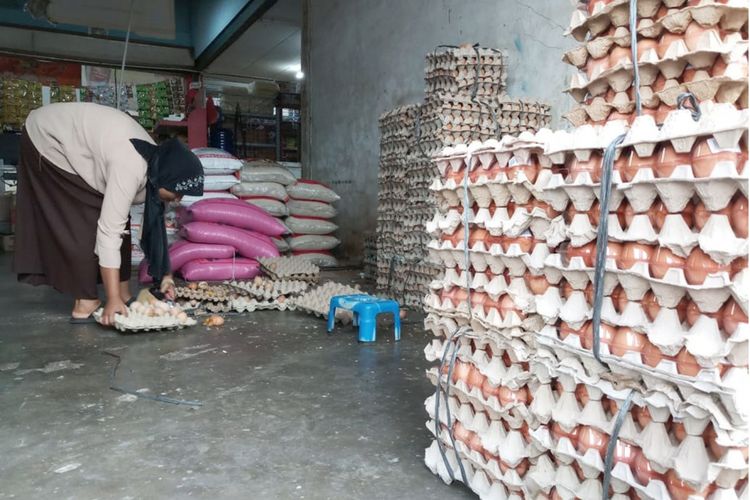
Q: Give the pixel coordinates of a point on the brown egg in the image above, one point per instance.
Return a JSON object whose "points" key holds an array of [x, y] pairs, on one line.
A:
{"points": [[650, 305], [665, 41], [521, 468], [627, 340], [475, 379], [699, 265], [454, 238], [554, 495], [619, 55], [597, 66], [506, 306], [739, 216], [737, 265], [704, 159], [619, 299], [664, 259], [475, 236], [489, 390], [587, 252], [719, 67], [530, 169], [558, 433], [633, 253], [687, 364], [625, 452], [645, 45], [524, 241], [693, 34], [710, 436], [701, 214], [642, 415], [680, 490], [692, 313], [537, 284], [509, 396], [592, 439], [678, 429], [614, 250], [652, 355], [461, 433], [634, 164], [546, 207], [643, 470], [461, 371], [606, 334], [732, 316], [476, 443], [668, 159], [582, 395]]}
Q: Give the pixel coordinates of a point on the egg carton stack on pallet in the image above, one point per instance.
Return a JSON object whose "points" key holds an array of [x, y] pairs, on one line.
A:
{"points": [[564, 375], [455, 110]]}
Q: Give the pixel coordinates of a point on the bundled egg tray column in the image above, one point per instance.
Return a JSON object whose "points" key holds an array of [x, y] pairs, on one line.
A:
{"points": [[410, 135], [655, 406]]}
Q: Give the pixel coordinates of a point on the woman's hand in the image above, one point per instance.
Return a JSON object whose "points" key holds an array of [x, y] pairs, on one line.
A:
{"points": [[167, 287], [112, 307]]}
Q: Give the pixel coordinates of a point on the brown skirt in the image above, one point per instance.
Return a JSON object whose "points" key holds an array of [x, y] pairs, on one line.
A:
{"points": [[56, 223]]}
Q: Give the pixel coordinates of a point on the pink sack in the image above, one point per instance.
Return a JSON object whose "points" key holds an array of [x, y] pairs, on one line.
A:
{"points": [[235, 213], [182, 252], [220, 270], [247, 243]]}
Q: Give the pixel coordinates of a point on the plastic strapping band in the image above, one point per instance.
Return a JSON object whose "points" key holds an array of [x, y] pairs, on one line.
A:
{"points": [[634, 52], [467, 260], [694, 108], [477, 72], [441, 448], [610, 456], [601, 240]]}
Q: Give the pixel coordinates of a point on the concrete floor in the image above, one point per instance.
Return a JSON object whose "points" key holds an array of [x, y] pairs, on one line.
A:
{"points": [[288, 412]]}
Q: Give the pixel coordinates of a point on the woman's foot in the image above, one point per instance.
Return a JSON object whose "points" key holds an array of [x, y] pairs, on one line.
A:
{"points": [[83, 308]]}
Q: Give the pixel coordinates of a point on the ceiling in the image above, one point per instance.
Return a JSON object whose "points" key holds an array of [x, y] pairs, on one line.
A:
{"points": [[270, 48]]}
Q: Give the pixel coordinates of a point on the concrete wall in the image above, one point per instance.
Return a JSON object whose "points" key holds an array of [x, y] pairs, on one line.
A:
{"points": [[364, 57]]}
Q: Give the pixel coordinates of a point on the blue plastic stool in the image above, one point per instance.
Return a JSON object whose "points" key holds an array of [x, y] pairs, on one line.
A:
{"points": [[366, 309]]}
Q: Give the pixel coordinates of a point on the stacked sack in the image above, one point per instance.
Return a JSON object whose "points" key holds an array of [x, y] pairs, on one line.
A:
{"points": [[222, 240], [263, 184], [546, 388], [311, 209], [220, 169]]}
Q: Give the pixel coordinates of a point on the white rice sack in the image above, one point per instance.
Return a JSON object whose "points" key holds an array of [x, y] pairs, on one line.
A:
{"points": [[311, 209], [267, 189], [320, 259], [306, 225], [312, 242], [219, 182], [312, 190], [266, 171], [217, 161], [189, 200], [273, 206], [281, 244]]}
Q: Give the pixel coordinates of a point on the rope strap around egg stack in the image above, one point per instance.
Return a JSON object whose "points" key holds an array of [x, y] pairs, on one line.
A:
{"points": [[601, 248], [452, 340]]}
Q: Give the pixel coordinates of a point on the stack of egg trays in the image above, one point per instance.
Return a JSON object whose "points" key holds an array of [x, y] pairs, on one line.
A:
{"points": [[556, 283]]}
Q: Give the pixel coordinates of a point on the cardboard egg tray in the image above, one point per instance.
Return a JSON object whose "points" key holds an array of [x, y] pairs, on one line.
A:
{"points": [[137, 322], [619, 77], [205, 292], [266, 289], [290, 268], [317, 301], [250, 304], [730, 16]]}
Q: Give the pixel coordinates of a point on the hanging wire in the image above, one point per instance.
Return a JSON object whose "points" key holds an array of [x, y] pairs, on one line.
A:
{"points": [[118, 88], [687, 97], [634, 52]]}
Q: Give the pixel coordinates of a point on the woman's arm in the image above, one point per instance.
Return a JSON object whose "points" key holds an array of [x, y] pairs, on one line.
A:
{"points": [[114, 304]]}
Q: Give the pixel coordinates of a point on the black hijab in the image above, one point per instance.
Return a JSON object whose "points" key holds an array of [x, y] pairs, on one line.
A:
{"points": [[172, 166]]}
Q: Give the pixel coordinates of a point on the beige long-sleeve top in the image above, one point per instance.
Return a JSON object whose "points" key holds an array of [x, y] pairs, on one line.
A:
{"points": [[93, 142]]}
